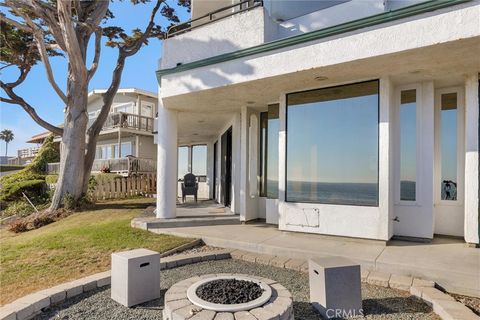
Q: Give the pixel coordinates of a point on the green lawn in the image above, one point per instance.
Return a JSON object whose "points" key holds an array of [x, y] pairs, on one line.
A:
{"points": [[74, 247]]}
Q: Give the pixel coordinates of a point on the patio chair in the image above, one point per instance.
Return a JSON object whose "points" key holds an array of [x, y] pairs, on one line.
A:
{"points": [[189, 186]]}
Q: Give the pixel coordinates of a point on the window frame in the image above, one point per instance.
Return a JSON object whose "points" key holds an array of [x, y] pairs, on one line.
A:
{"points": [[206, 158], [460, 142], [418, 146], [148, 104], [377, 205], [124, 105]]}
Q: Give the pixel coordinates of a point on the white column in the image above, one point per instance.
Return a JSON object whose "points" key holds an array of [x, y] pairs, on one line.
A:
{"points": [[282, 163], [236, 164], [471, 160], [210, 162], [244, 216], [385, 227], [167, 161]]}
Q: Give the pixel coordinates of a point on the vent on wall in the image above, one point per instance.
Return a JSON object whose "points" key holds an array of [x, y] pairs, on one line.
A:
{"points": [[306, 217]]}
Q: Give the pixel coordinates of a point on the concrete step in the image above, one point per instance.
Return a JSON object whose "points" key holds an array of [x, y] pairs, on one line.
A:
{"points": [[152, 224]]}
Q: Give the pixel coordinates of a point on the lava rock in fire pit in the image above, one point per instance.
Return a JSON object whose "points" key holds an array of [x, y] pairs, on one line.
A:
{"points": [[229, 291]]}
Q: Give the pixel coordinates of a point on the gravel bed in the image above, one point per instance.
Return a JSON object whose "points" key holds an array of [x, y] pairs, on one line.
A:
{"points": [[471, 302], [197, 249], [378, 302]]}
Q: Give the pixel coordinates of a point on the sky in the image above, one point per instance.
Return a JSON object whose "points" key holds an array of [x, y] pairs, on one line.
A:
{"points": [[333, 141], [139, 72]]}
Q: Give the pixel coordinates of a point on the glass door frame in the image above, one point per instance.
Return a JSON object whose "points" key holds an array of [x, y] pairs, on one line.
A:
{"points": [[418, 140], [437, 194]]}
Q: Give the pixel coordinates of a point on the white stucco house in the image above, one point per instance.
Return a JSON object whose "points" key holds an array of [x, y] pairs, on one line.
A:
{"points": [[356, 118]]}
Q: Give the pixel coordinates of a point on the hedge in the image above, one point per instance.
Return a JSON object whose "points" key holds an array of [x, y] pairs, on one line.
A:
{"points": [[30, 187]]}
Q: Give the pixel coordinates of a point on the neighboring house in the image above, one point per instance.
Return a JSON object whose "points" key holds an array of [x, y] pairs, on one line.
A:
{"points": [[127, 132], [347, 118], [5, 159]]}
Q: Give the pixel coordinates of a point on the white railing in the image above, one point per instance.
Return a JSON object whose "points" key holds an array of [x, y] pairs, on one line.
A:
{"points": [[128, 166], [126, 120], [28, 152]]}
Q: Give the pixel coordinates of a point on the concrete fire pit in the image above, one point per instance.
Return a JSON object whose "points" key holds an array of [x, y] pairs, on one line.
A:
{"points": [[260, 298]]}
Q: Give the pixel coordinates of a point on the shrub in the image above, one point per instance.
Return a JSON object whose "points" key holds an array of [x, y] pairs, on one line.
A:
{"points": [[106, 177], [20, 208], [28, 179], [51, 178], [10, 167], [68, 201], [32, 188], [41, 221], [18, 226]]}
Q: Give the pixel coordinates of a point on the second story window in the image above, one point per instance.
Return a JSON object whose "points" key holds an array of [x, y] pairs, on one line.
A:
{"points": [[146, 110], [126, 107]]}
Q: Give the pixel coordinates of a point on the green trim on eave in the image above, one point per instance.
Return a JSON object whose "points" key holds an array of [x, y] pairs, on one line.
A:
{"points": [[315, 35]]}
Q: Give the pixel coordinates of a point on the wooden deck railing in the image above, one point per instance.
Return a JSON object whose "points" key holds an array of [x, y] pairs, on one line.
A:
{"points": [[126, 166], [128, 121]]}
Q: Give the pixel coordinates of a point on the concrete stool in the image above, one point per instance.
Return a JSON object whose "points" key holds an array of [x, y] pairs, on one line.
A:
{"points": [[135, 276], [335, 287]]}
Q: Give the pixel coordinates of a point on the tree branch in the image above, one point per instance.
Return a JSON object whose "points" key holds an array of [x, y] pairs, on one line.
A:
{"points": [[46, 62], [131, 50], [23, 74], [40, 40], [72, 46], [96, 58], [17, 24], [15, 99], [41, 10]]}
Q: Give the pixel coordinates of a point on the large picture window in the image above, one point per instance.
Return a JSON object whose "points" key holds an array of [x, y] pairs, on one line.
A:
{"points": [[269, 127], [332, 145]]}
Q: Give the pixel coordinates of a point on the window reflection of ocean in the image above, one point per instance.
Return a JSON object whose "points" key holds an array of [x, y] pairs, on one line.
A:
{"points": [[333, 193]]}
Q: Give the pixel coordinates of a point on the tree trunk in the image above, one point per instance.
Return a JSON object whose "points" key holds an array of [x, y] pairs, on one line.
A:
{"points": [[6, 149], [72, 149], [88, 164]]}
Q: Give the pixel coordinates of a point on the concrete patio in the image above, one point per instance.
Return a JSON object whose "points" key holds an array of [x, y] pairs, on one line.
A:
{"points": [[449, 262], [201, 213]]}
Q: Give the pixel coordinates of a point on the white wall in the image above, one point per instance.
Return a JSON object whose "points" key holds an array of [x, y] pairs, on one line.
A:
{"points": [[236, 163], [382, 40], [146, 148], [230, 34], [472, 193]]}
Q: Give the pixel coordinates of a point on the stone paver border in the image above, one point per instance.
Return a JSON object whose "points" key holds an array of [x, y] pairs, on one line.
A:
{"points": [[443, 304]]}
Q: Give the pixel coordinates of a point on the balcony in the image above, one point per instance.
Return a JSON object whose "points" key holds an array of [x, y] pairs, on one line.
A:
{"points": [[224, 30], [251, 23], [28, 153], [127, 121], [125, 166]]}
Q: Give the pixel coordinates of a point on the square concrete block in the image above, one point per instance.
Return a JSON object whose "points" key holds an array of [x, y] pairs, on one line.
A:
{"points": [[335, 287], [135, 276]]}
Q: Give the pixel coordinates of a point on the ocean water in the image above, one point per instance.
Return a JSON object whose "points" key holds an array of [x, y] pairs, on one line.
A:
{"points": [[365, 194]]}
